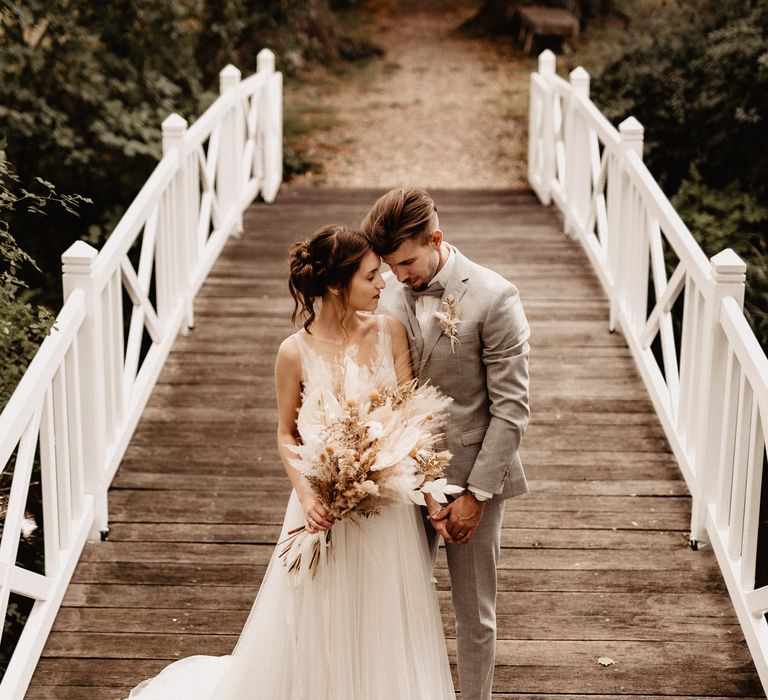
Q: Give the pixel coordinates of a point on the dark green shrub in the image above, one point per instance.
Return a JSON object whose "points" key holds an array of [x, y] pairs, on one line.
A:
{"points": [[23, 325], [696, 76], [731, 218], [84, 87]]}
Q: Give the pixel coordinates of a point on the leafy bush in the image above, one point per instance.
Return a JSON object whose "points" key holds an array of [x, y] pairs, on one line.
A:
{"points": [[84, 87], [23, 326], [696, 75], [731, 218]]}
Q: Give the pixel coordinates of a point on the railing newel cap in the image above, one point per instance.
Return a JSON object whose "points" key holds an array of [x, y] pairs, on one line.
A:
{"points": [[174, 127], [79, 257], [728, 267], [265, 61], [631, 129], [579, 75], [547, 62], [229, 77], [174, 123]]}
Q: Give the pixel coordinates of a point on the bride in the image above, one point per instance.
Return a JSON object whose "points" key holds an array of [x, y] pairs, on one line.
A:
{"points": [[367, 626]]}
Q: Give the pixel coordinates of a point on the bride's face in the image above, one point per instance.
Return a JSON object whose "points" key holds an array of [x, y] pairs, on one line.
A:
{"points": [[366, 284]]}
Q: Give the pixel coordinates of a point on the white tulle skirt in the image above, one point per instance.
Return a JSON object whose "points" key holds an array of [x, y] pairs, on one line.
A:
{"points": [[367, 627]]}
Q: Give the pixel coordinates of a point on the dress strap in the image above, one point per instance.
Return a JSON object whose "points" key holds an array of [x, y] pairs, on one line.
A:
{"points": [[305, 353], [384, 340]]}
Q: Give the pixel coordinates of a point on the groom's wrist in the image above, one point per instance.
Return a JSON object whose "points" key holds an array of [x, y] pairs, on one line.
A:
{"points": [[479, 494]]}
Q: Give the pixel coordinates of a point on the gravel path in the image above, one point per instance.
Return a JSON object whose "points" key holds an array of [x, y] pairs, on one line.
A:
{"points": [[440, 111]]}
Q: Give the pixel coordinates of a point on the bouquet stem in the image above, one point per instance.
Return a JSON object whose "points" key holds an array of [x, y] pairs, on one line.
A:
{"points": [[303, 551]]}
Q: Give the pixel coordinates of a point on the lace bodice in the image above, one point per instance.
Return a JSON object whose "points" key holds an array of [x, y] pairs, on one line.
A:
{"points": [[330, 378], [320, 370]]}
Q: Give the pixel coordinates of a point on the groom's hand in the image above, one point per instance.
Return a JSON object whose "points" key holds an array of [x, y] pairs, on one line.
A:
{"points": [[458, 520]]}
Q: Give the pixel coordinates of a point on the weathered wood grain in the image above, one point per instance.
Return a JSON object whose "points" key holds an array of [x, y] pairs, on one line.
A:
{"points": [[612, 624], [594, 560]]}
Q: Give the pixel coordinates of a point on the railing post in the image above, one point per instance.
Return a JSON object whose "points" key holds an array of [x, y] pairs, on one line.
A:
{"points": [[229, 175], [182, 228], [545, 139], [631, 254], [577, 161], [728, 278], [272, 125], [78, 273], [615, 218]]}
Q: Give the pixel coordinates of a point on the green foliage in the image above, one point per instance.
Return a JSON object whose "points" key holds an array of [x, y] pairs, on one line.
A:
{"points": [[695, 74], [731, 218], [84, 87], [234, 31], [23, 326], [15, 619]]}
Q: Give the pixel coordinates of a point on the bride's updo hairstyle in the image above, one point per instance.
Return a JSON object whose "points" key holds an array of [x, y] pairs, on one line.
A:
{"points": [[327, 260]]}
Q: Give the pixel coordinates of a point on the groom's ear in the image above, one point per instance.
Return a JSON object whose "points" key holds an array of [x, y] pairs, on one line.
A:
{"points": [[436, 238]]}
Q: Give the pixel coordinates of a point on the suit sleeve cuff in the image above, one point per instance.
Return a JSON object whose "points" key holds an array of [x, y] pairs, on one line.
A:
{"points": [[479, 493]]}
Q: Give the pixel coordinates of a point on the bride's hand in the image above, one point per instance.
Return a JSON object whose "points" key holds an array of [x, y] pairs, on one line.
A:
{"points": [[318, 516], [434, 509]]}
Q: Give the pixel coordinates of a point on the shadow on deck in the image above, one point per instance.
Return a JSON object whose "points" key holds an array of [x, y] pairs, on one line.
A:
{"points": [[595, 559]]}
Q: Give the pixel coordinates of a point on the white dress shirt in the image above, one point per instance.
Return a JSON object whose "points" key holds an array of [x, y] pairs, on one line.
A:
{"points": [[426, 306]]}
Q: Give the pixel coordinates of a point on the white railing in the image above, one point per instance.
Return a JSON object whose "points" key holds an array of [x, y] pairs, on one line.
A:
{"points": [[80, 400], [708, 378]]}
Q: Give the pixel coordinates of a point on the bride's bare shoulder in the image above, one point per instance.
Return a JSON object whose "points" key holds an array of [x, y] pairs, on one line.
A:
{"points": [[289, 352], [394, 323], [396, 328]]}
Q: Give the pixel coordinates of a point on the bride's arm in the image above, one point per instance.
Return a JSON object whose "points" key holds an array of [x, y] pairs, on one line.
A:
{"points": [[288, 390], [401, 352]]}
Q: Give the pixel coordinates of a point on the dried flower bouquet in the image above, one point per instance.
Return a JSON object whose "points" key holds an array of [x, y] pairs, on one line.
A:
{"points": [[364, 446]]}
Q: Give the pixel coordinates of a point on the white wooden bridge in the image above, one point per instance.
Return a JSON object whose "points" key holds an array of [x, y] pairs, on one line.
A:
{"points": [[642, 439]]}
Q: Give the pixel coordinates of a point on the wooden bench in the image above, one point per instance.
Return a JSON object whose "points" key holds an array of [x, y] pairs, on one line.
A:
{"points": [[536, 20]]}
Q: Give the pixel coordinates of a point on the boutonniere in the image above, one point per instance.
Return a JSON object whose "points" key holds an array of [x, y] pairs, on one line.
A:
{"points": [[448, 318]]}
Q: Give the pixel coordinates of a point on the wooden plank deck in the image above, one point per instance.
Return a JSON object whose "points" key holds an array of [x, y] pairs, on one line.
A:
{"points": [[595, 559]]}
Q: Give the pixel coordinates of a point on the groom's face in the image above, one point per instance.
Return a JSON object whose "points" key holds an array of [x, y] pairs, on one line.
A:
{"points": [[415, 263]]}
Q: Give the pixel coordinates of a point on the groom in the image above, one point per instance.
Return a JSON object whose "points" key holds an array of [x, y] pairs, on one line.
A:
{"points": [[469, 337]]}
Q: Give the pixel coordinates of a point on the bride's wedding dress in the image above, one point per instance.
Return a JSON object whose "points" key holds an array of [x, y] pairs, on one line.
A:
{"points": [[367, 627]]}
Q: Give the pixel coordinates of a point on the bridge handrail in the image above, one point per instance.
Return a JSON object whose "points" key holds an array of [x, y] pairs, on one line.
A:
{"points": [[630, 232], [77, 405]]}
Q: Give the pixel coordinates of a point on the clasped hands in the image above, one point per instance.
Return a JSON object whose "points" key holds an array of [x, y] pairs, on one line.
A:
{"points": [[457, 521]]}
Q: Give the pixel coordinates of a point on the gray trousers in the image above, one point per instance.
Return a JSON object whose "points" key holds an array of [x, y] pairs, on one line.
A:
{"points": [[472, 568]]}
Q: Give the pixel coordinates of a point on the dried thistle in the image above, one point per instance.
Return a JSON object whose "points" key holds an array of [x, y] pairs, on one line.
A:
{"points": [[448, 319]]}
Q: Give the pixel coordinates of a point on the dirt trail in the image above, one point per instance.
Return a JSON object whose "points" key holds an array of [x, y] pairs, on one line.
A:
{"points": [[440, 111]]}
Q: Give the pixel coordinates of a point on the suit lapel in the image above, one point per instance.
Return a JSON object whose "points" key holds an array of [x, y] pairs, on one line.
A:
{"points": [[455, 287]]}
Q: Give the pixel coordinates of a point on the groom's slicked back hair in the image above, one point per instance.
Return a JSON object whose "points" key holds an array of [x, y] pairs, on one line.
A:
{"points": [[400, 214]]}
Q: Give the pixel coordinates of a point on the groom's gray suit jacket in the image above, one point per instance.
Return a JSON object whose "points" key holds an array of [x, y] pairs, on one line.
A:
{"points": [[486, 374]]}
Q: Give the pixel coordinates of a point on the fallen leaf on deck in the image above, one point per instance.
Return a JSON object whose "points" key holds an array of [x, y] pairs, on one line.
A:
{"points": [[606, 661]]}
